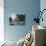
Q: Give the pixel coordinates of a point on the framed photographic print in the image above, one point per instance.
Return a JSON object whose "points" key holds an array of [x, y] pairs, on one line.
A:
{"points": [[17, 19]]}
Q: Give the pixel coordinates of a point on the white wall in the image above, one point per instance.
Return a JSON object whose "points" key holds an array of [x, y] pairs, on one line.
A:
{"points": [[1, 21]]}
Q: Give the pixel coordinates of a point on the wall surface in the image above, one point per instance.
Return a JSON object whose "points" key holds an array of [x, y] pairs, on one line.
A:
{"points": [[1, 20], [43, 6], [29, 7]]}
